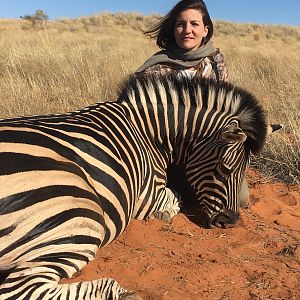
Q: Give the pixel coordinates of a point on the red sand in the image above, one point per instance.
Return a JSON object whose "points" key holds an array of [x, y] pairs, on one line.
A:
{"points": [[258, 259]]}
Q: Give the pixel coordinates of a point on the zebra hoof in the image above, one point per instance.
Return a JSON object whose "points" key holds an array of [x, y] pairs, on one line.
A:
{"points": [[130, 296]]}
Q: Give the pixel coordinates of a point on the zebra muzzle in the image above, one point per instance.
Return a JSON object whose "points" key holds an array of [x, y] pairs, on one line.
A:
{"points": [[225, 219]]}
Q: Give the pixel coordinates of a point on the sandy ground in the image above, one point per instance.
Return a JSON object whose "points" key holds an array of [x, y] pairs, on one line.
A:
{"points": [[258, 259]]}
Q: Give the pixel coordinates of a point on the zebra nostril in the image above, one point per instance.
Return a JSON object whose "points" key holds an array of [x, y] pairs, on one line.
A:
{"points": [[234, 215]]}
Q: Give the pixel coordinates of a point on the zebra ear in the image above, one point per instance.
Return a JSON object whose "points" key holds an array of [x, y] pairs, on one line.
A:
{"points": [[233, 134]]}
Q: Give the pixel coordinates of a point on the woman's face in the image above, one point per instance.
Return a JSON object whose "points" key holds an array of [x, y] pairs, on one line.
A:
{"points": [[189, 29]]}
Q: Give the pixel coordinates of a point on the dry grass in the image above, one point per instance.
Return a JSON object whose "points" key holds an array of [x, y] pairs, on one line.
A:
{"points": [[71, 63]]}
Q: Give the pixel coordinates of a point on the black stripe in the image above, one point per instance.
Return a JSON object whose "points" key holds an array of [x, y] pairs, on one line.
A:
{"points": [[147, 197], [189, 124], [171, 117], [7, 230], [11, 163], [25, 199], [75, 239], [85, 292], [60, 257], [42, 295], [59, 261], [19, 278], [23, 280], [161, 113], [57, 270], [78, 288], [31, 288]]}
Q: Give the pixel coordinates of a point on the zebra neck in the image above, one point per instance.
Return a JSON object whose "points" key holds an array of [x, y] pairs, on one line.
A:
{"points": [[169, 126]]}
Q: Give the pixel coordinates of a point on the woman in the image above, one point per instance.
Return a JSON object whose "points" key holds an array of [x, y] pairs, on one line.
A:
{"points": [[185, 34]]}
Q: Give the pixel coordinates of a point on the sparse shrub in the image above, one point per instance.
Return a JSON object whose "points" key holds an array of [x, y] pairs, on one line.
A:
{"points": [[37, 20]]}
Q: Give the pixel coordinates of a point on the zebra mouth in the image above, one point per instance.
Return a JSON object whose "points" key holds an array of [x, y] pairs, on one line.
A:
{"points": [[225, 219]]}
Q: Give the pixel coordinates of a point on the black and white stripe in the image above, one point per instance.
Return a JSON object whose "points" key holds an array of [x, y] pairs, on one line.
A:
{"points": [[71, 183]]}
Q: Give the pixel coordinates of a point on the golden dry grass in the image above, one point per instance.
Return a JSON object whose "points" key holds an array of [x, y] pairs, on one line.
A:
{"points": [[70, 63]]}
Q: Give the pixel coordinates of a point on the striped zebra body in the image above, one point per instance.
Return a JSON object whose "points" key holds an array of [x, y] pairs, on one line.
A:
{"points": [[71, 183]]}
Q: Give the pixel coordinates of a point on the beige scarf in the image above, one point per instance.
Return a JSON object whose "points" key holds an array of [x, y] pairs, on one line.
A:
{"points": [[178, 58]]}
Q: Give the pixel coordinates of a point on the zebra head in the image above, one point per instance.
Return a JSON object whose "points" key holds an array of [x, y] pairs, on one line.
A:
{"points": [[216, 174], [217, 161]]}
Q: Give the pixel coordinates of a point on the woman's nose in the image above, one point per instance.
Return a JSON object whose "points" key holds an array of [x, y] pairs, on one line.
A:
{"points": [[187, 28]]}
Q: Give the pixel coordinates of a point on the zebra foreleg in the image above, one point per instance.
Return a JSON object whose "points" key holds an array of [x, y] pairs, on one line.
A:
{"points": [[38, 284], [169, 205]]}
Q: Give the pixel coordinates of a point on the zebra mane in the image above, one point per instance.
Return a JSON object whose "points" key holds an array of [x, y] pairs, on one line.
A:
{"points": [[171, 88]]}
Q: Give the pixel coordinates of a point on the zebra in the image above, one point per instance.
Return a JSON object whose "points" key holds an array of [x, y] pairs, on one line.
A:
{"points": [[71, 183]]}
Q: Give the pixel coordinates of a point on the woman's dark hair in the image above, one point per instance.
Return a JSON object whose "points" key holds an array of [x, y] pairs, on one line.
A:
{"points": [[163, 30]]}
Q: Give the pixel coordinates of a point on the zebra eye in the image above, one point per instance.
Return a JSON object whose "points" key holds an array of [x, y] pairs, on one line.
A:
{"points": [[223, 170]]}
